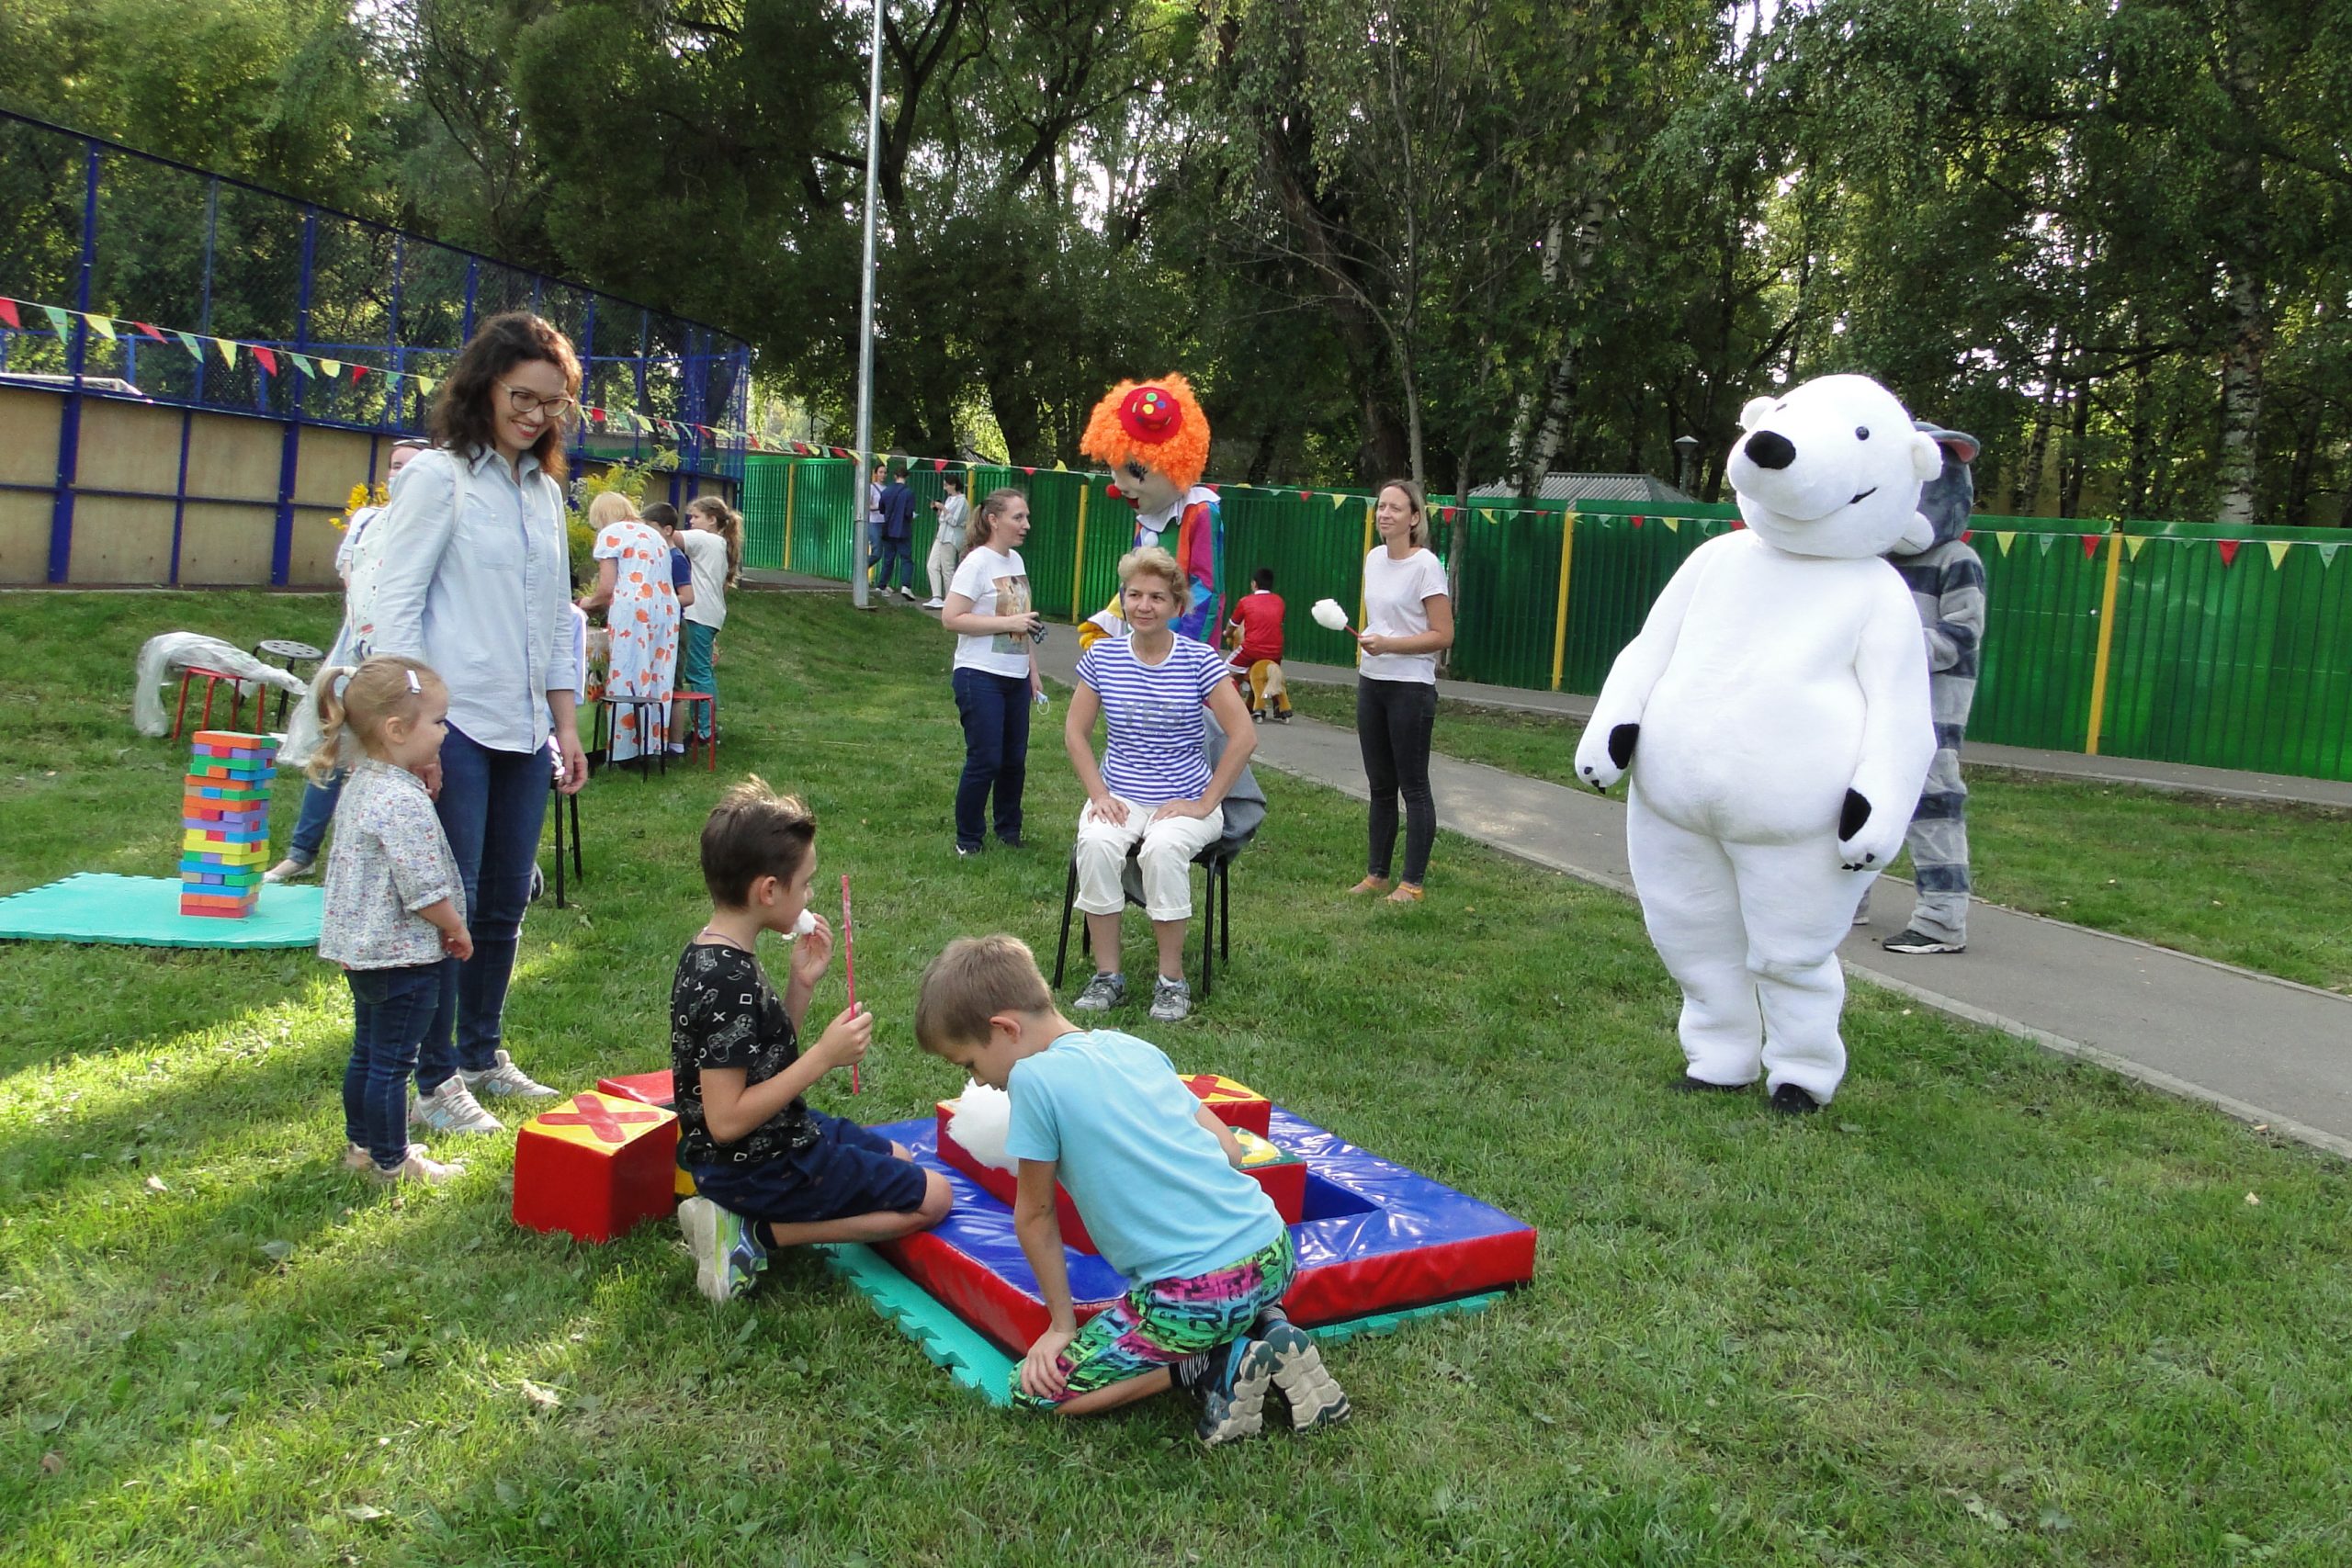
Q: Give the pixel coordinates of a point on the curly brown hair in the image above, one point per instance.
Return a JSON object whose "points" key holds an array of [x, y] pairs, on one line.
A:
{"points": [[464, 417]]}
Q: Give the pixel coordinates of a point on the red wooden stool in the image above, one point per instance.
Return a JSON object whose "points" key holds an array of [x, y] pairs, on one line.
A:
{"points": [[708, 744], [212, 679]]}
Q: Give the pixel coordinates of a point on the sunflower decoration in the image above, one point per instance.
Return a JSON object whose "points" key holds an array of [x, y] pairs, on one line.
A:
{"points": [[360, 500]]}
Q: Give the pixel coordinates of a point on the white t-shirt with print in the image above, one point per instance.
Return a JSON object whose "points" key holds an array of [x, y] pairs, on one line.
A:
{"points": [[998, 584], [707, 553], [1393, 595]]}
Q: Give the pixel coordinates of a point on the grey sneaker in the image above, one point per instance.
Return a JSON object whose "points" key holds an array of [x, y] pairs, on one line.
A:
{"points": [[1315, 1396], [728, 1253], [452, 1108], [506, 1078], [418, 1167], [1914, 939], [1102, 994], [1172, 1000], [1233, 1403]]}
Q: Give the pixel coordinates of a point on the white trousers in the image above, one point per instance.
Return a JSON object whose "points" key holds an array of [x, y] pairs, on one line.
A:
{"points": [[1166, 858], [1750, 932], [942, 567]]}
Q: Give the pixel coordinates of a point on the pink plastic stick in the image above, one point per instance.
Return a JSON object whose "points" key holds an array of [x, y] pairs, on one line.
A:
{"points": [[849, 968]]}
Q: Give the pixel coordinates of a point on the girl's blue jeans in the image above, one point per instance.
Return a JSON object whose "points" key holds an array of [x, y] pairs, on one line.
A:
{"points": [[390, 1010]]}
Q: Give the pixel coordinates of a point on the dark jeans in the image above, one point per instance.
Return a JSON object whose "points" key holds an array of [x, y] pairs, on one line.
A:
{"points": [[390, 1010], [493, 807], [890, 552], [1393, 723], [996, 752], [311, 827]]}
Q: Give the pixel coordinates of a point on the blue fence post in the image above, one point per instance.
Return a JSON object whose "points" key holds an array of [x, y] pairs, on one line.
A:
{"points": [[69, 424], [392, 347], [289, 456], [204, 310], [587, 373], [473, 282]]}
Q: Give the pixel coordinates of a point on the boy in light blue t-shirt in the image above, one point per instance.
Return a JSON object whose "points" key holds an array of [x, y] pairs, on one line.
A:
{"points": [[1154, 1176]]}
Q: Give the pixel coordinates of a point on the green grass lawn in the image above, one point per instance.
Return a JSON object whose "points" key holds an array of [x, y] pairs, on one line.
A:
{"points": [[2249, 883], [1991, 1308]]}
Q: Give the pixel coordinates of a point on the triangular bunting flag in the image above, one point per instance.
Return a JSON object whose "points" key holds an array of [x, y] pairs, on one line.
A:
{"points": [[2229, 548], [8, 315], [2327, 555], [425, 386], [1966, 535], [1637, 522], [2133, 544], [357, 372], [188, 341], [938, 466], [267, 359], [59, 322], [1058, 468], [2044, 541], [228, 347], [1025, 468], [1303, 495], [301, 363], [102, 326], [2090, 545], [331, 369], [1339, 501], [2278, 548], [151, 331], [1673, 524], [2003, 539]]}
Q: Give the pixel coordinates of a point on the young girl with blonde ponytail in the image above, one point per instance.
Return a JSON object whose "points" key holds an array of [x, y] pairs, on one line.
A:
{"points": [[395, 914]]}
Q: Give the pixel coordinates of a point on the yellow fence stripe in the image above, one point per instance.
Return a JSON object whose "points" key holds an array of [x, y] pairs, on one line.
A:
{"points": [[2106, 642], [1560, 616]]}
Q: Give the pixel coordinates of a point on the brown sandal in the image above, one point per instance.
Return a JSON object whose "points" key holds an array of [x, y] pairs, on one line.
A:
{"points": [[1407, 893], [1369, 885]]}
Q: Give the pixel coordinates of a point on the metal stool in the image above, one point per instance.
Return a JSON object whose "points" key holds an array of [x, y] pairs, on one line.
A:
{"points": [[708, 744], [287, 654], [562, 800], [212, 679], [649, 722]]}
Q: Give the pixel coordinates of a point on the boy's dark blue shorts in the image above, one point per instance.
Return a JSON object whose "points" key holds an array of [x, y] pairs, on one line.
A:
{"points": [[848, 1171]]}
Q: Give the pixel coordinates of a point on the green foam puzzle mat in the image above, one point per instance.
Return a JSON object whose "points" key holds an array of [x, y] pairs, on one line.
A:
{"points": [[144, 912], [968, 1356]]}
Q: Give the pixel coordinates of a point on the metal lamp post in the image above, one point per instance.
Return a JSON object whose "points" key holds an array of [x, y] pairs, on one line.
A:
{"points": [[1686, 454], [863, 554]]}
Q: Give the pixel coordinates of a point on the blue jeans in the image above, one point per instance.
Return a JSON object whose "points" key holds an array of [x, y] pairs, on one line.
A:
{"points": [[996, 753], [698, 671], [493, 807], [888, 553], [311, 827], [390, 1010]]}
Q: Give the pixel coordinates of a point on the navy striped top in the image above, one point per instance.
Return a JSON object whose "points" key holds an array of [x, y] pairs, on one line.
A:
{"points": [[1154, 714]]}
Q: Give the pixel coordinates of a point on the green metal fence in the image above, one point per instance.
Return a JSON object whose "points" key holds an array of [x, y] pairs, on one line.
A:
{"points": [[2174, 642]]}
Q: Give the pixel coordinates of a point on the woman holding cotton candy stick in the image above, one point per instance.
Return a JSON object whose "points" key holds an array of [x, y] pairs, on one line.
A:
{"points": [[1409, 621]]}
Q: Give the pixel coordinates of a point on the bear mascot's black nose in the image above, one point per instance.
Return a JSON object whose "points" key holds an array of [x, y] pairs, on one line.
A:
{"points": [[1771, 449]]}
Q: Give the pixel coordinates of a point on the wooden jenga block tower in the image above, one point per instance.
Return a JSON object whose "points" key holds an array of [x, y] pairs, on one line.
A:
{"points": [[595, 1165], [224, 818]]}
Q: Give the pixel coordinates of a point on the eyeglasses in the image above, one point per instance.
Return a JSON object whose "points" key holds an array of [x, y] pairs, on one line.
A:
{"points": [[524, 401]]}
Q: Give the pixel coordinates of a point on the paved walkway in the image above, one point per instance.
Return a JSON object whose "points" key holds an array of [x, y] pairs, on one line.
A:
{"points": [[2267, 1051]]}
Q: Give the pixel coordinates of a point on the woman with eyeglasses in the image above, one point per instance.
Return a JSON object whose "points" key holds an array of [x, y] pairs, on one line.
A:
{"points": [[476, 581]]}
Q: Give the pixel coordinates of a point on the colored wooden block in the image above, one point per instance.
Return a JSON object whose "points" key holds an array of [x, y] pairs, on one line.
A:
{"points": [[1280, 1173], [596, 1165], [653, 1088], [234, 738], [1234, 1104], [227, 833]]}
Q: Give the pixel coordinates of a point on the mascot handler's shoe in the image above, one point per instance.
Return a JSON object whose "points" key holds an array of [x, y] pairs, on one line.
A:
{"points": [[1917, 941], [1793, 1101]]}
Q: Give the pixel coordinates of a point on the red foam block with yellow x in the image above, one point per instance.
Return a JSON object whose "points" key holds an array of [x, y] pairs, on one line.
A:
{"points": [[593, 1166]]}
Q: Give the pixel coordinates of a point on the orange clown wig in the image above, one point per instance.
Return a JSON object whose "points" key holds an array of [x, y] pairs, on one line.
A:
{"points": [[1157, 423]]}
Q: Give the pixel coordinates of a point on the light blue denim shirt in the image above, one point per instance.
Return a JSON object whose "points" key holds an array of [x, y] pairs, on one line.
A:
{"points": [[483, 596]]}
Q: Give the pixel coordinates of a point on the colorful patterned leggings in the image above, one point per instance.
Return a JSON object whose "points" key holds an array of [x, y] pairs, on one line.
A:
{"points": [[1167, 1321]]}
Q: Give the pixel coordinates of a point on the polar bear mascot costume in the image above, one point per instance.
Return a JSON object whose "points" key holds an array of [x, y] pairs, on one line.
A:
{"points": [[1773, 714]]}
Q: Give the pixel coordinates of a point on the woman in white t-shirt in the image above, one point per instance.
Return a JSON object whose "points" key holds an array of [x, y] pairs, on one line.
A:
{"points": [[1409, 621], [996, 670]]}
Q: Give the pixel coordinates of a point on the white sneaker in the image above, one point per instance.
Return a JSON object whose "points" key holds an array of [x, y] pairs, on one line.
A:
{"points": [[906, 594], [506, 1078], [288, 869], [934, 603], [452, 1108], [419, 1168]]}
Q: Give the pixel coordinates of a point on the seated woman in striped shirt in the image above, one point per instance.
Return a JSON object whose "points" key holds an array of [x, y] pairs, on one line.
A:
{"points": [[1154, 787]]}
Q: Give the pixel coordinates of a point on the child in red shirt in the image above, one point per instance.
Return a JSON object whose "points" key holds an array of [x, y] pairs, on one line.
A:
{"points": [[1258, 624]]}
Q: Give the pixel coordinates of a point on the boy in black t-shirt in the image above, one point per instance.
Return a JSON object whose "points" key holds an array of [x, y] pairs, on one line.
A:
{"points": [[769, 1171]]}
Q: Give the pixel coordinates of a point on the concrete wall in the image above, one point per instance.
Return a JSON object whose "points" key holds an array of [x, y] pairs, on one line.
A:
{"points": [[136, 520]]}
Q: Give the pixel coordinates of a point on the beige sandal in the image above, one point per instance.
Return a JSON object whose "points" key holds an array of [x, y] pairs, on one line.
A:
{"points": [[1407, 893], [1369, 885]]}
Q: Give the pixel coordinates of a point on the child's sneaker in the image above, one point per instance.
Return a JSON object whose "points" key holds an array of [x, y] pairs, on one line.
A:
{"points": [[506, 1078], [1315, 1397], [419, 1168], [1172, 1000], [1102, 994], [1233, 1393], [357, 1157], [452, 1108], [728, 1253]]}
